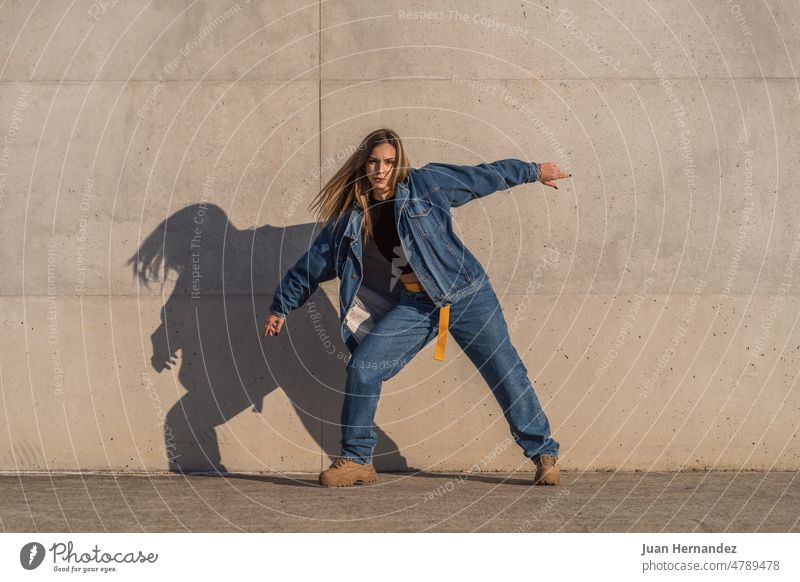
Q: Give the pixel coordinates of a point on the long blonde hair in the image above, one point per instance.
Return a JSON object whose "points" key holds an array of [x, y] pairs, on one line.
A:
{"points": [[351, 183]]}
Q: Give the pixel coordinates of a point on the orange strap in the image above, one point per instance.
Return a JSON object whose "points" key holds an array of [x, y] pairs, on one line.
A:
{"points": [[444, 318]]}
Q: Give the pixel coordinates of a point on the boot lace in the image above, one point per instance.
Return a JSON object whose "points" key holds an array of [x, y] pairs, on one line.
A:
{"points": [[341, 461], [546, 459]]}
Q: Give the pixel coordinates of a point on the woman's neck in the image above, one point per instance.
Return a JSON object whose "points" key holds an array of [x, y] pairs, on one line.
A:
{"points": [[377, 196]]}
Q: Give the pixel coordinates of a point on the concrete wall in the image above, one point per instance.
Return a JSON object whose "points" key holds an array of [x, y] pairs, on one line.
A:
{"points": [[654, 297]]}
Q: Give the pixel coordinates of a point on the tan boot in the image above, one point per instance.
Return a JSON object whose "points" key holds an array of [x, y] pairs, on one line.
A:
{"points": [[547, 472], [345, 472]]}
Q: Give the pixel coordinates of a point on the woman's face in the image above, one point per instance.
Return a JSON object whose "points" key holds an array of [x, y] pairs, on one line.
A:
{"points": [[379, 166]]}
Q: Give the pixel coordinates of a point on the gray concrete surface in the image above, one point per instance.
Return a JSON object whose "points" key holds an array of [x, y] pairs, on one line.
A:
{"points": [[693, 501], [653, 297]]}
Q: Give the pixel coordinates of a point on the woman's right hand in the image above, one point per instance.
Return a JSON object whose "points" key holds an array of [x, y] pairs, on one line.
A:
{"points": [[273, 324], [549, 171]]}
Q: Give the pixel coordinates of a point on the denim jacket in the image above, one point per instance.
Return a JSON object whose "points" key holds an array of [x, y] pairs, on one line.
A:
{"points": [[447, 270]]}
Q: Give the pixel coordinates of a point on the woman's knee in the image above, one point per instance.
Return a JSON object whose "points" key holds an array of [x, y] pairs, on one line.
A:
{"points": [[368, 367]]}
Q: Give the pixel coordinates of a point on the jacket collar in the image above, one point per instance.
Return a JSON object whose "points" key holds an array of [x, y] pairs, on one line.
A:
{"points": [[353, 229]]}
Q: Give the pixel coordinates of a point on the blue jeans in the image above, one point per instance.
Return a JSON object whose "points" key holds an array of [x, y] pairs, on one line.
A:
{"points": [[477, 324]]}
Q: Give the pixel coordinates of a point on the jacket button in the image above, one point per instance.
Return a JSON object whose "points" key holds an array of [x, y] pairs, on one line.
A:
{"points": [[354, 276]]}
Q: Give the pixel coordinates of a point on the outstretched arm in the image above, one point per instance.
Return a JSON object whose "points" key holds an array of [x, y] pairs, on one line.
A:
{"points": [[465, 183], [299, 283]]}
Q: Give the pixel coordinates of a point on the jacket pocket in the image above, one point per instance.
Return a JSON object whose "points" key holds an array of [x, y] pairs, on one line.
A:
{"points": [[419, 206], [423, 216]]}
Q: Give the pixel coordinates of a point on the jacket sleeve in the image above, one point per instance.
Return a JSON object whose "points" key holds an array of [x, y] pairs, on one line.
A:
{"points": [[299, 283], [464, 183]]}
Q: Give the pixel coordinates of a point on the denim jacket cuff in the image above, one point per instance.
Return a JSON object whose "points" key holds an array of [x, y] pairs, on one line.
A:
{"points": [[534, 172], [277, 312]]}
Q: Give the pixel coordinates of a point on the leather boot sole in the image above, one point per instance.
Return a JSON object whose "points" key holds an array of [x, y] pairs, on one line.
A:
{"points": [[346, 481]]}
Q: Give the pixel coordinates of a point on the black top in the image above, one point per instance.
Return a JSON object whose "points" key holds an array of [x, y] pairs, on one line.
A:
{"points": [[384, 232]]}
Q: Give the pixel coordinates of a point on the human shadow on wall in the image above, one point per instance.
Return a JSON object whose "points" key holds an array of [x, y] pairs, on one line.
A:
{"points": [[215, 317]]}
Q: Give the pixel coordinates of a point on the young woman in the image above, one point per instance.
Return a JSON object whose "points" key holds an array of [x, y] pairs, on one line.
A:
{"points": [[386, 221]]}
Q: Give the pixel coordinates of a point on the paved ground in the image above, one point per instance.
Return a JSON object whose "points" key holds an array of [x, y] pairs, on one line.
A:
{"points": [[585, 502]]}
